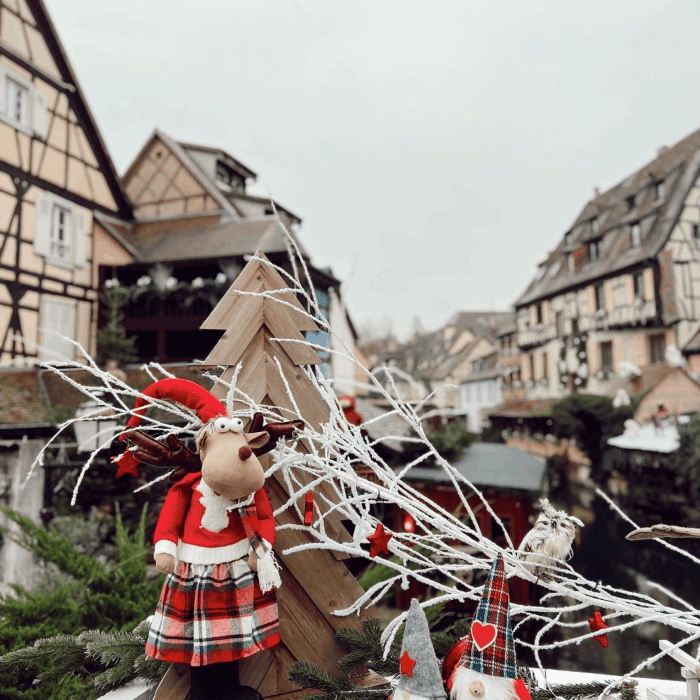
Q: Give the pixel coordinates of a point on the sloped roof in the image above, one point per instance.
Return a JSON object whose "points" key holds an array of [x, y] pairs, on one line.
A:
{"points": [[242, 169], [650, 377], [27, 395], [434, 355], [182, 240], [677, 167], [527, 408], [386, 425], [490, 464], [81, 107]]}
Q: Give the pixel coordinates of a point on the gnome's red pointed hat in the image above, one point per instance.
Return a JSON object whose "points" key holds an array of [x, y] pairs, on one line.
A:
{"points": [[489, 647], [181, 391]]}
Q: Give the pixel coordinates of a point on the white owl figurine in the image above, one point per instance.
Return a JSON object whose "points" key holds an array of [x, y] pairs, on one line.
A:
{"points": [[549, 540]]}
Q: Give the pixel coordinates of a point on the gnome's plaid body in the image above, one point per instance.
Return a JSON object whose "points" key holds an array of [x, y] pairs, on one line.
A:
{"points": [[498, 659]]}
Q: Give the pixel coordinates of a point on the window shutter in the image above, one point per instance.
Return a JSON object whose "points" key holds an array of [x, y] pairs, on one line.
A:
{"points": [[79, 238], [39, 114], [42, 225], [3, 88]]}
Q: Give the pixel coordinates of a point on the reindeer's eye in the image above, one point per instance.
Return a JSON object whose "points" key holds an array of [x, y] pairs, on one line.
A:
{"points": [[236, 425], [221, 424]]}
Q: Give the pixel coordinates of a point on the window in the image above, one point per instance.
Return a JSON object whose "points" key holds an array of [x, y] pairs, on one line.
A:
{"points": [[532, 367], [657, 348], [17, 97], [21, 104], [606, 356], [630, 202], [659, 190], [599, 297], [478, 365], [545, 372], [594, 249], [539, 314], [696, 233], [59, 231], [636, 232], [595, 225], [574, 326], [57, 326], [638, 285], [567, 239], [320, 337]]}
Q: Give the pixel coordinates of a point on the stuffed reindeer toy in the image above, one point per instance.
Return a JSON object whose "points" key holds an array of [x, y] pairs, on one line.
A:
{"points": [[214, 541]]}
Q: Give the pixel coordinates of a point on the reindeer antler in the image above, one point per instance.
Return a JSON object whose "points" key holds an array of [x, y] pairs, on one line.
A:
{"points": [[275, 430], [171, 454]]}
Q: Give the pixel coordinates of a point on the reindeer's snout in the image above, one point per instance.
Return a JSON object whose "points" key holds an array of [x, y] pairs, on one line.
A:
{"points": [[245, 453]]}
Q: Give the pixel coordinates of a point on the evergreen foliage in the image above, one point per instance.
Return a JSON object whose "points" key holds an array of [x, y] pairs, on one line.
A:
{"points": [[45, 633], [592, 420], [112, 343], [449, 442], [685, 461]]}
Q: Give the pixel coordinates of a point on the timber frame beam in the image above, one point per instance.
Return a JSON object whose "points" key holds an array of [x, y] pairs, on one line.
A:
{"points": [[37, 72]]}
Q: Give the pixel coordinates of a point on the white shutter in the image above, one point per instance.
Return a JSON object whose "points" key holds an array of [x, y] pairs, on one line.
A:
{"points": [[39, 114], [57, 319], [42, 225], [79, 238]]}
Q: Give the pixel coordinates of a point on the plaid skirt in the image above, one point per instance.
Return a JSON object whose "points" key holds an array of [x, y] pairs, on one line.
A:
{"points": [[212, 614]]}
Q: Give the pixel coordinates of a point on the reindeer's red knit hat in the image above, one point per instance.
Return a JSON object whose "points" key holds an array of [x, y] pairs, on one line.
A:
{"points": [[183, 391]]}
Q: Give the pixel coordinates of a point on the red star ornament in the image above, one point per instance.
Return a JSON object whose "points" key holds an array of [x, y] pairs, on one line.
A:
{"points": [[596, 623], [407, 664], [126, 464], [379, 541]]}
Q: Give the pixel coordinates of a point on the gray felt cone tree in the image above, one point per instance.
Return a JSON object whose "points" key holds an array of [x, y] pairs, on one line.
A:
{"points": [[314, 582]]}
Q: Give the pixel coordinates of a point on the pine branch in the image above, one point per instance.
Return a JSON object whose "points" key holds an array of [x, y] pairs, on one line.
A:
{"points": [[306, 675], [309, 676], [59, 655], [365, 649]]}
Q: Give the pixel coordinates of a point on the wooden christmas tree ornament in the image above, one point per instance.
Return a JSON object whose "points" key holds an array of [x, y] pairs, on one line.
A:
{"points": [[314, 582]]}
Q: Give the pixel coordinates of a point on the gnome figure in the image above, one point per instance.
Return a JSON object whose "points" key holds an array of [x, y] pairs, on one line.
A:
{"points": [[420, 672], [482, 665]]}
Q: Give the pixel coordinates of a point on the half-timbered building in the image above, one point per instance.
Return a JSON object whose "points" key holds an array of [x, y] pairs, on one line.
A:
{"points": [[55, 173], [622, 285]]}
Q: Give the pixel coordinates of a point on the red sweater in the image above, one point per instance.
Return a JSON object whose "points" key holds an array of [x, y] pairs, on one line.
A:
{"points": [[181, 520]]}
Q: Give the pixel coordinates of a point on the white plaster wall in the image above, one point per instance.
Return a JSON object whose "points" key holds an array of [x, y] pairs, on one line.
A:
{"points": [[17, 565], [342, 369], [475, 397]]}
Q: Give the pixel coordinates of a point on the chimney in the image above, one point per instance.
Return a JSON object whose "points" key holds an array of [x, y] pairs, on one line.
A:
{"points": [[596, 191], [661, 150]]}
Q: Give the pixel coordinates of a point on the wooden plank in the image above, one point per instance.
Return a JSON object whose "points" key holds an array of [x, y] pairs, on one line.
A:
{"points": [[277, 679], [686, 660], [175, 684], [236, 339], [304, 633], [250, 277], [327, 581], [253, 669]]}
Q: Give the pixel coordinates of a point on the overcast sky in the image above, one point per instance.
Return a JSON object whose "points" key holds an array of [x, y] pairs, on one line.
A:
{"points": [[435, 150]]}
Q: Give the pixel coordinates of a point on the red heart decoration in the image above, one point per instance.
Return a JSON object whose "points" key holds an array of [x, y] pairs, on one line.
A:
{"points": [[484, 635]]}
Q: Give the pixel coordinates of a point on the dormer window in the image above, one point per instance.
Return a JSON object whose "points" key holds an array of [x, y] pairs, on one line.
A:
{"points": [[595, 225], [567, 239], [594, 249], [630, 202], [223, 174], [636, 233], [659, 190]]}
